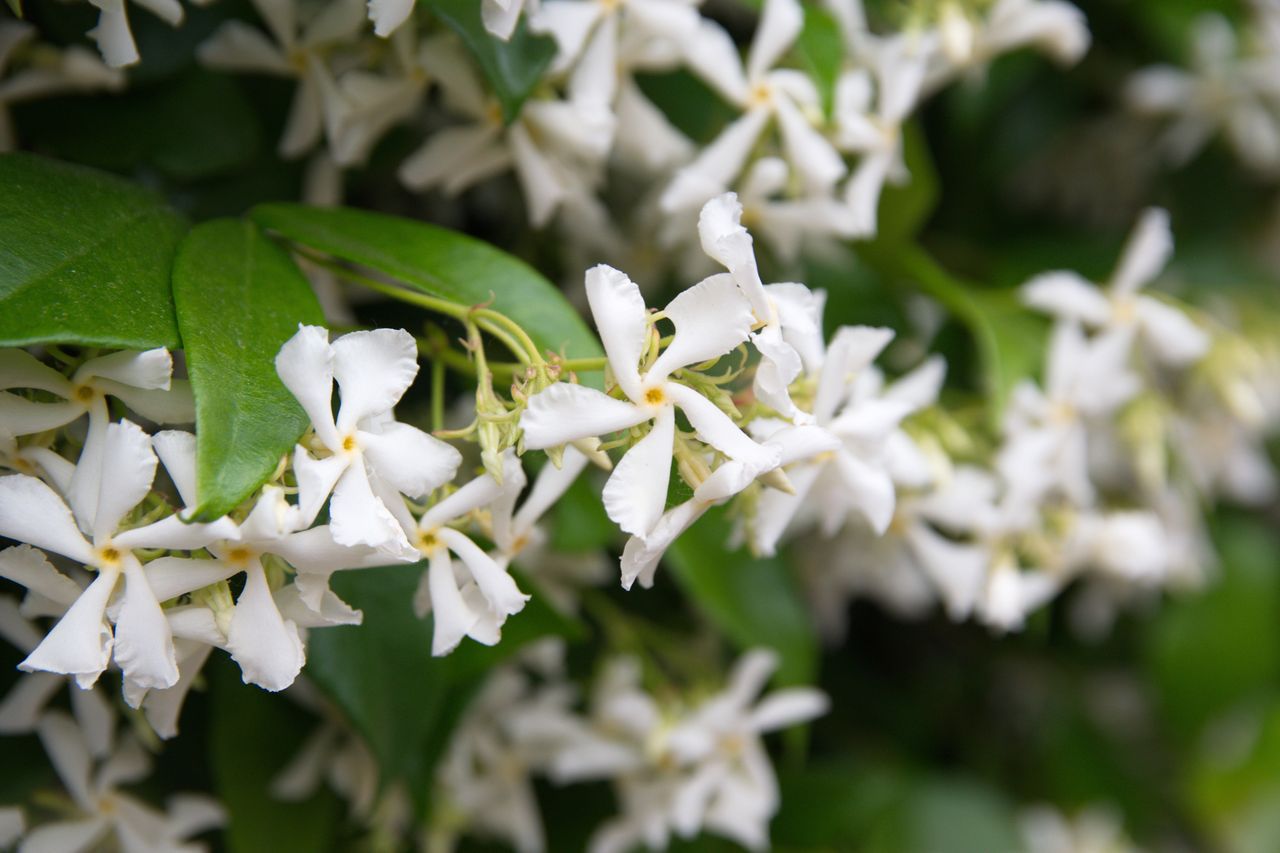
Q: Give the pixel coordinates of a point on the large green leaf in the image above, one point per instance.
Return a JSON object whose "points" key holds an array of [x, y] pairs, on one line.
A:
{"points": [[440, 262], [84, 258], [403, 701], [239, 297], [754, 601], [512, 67], [252, 737]]}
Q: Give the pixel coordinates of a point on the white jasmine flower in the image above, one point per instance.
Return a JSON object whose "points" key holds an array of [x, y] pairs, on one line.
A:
{"points": [[898, 68], [50, 72], [710, 319], [1167, 332], [1055, 27], [1011, 593], [478, 606], [788, 224], [106, 812], [296, 49], [765, 94], [82, 643], [372, 459]]}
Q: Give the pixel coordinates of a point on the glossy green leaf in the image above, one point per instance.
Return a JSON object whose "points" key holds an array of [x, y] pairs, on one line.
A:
{"points": [[403, 701], [512, 67], [441, 262], [755, 602], [252, 737], [239, 298], [84, 258]]}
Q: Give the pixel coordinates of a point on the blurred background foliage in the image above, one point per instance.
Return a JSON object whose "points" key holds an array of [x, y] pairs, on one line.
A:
{"points": [[941, 732]]}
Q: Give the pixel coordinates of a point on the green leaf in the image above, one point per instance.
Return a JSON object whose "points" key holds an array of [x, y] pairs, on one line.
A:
{"points": [[252, 737], [821, 50], [84, 258], [239, 298], [754, 601], [512, 67], [403, 701], [905, 208], [441, 262], [16, 7]]}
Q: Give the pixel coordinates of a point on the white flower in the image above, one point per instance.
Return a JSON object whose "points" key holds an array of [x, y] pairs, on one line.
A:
{"points": [[788, 224], [373, 459], [53, 72], [479, 606], [1056, 27], [787, 312], [82, 643], [103, 811], [296, 52], [765, 94], [1168, 334], [710, 319], [500, 16], [898, 67]]}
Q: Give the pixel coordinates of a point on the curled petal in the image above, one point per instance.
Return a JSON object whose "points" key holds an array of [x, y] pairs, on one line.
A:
{"points": [[622, 320], [637, 489], [566, 412], [373, 370], [453, 618], [412, 461], [305, 366], [80, 644], [144, 643], [265, 645], [32, 512], [359, 517], [711, 318], [128, 467], [500, 591], [152, 369]]}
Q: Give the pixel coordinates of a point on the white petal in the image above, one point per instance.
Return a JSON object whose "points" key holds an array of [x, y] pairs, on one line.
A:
{"points": [[636, 491], [69, 754], [717, 164], [862, 192], [808, 151], [32, 512], [177, 405], [373, 370], [152, 369], [1173, 336], [452, 618], [175, 534], [504, 597], [128, 467], [566, 412], [568, 23], [775, 509], [958, 571], [20, 416], [96, 717], [454, 158], [144, 643], [128, 765], [542, 186], [236, 46], [779, 26], [305, 124], [27, 566], [717, 429], [410, 460], [305, 366], [550, 485], [1146, 253], [749, 675], [112, 34], [641, 555], [594, 81], [265, 645], [622, 321], [358, 517], [919, 389], [177, 452], [478, 493], [1067, 295], [70, 836], [500, 17], [779, 366], [170, 577], [785, 708], [20, 369], [869, 489], [22, 706], [711, 318], [316, 479], [711, 54], [726, 241], [388, 15], [80, 644]]}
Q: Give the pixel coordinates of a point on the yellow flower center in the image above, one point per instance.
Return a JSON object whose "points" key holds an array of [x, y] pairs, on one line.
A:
{"points": [[761, 93], [109, 556], [83, 393], [655, 397], [349, 443]]}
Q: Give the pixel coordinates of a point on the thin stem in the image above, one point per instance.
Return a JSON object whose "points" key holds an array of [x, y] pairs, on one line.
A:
{"points": [[437, 394]]}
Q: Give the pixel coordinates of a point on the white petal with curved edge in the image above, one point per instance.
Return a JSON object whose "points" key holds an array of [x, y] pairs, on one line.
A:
{"points": [[543, 187], [128, 765], [776, 509], [265, 645], [717, 429], [716, 165], [779, 366], [358, 517], [477, 493], [80, 644], [550, 484], [1146, 253], [22, 706], [175, 534], [32, 512], [388, 15], [808, 151], [305, 366], [373, 370], [637, 489], [869, 489], [177, 405], [779, 26], [499, 17], [27, 566], [316, 479], [641, 555], [790, 707], [97, 719], [112, 34], [569, 24], [452, 617], [711, 318], [177, 452], [726, 241], [20, 416], [412, 461], [622, 321], [502, 508], [237, 46], [71, 836], [1173, 336], [144, 643], [862, 192], [749, 675], [170, 577], [711, 54], [163, 707], [20, 369], [957, 570], [152, 369], [920, 388], [499, 589], [128, 468], [1067, 295], [594, 81], [566, 412], [69, 754]]}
